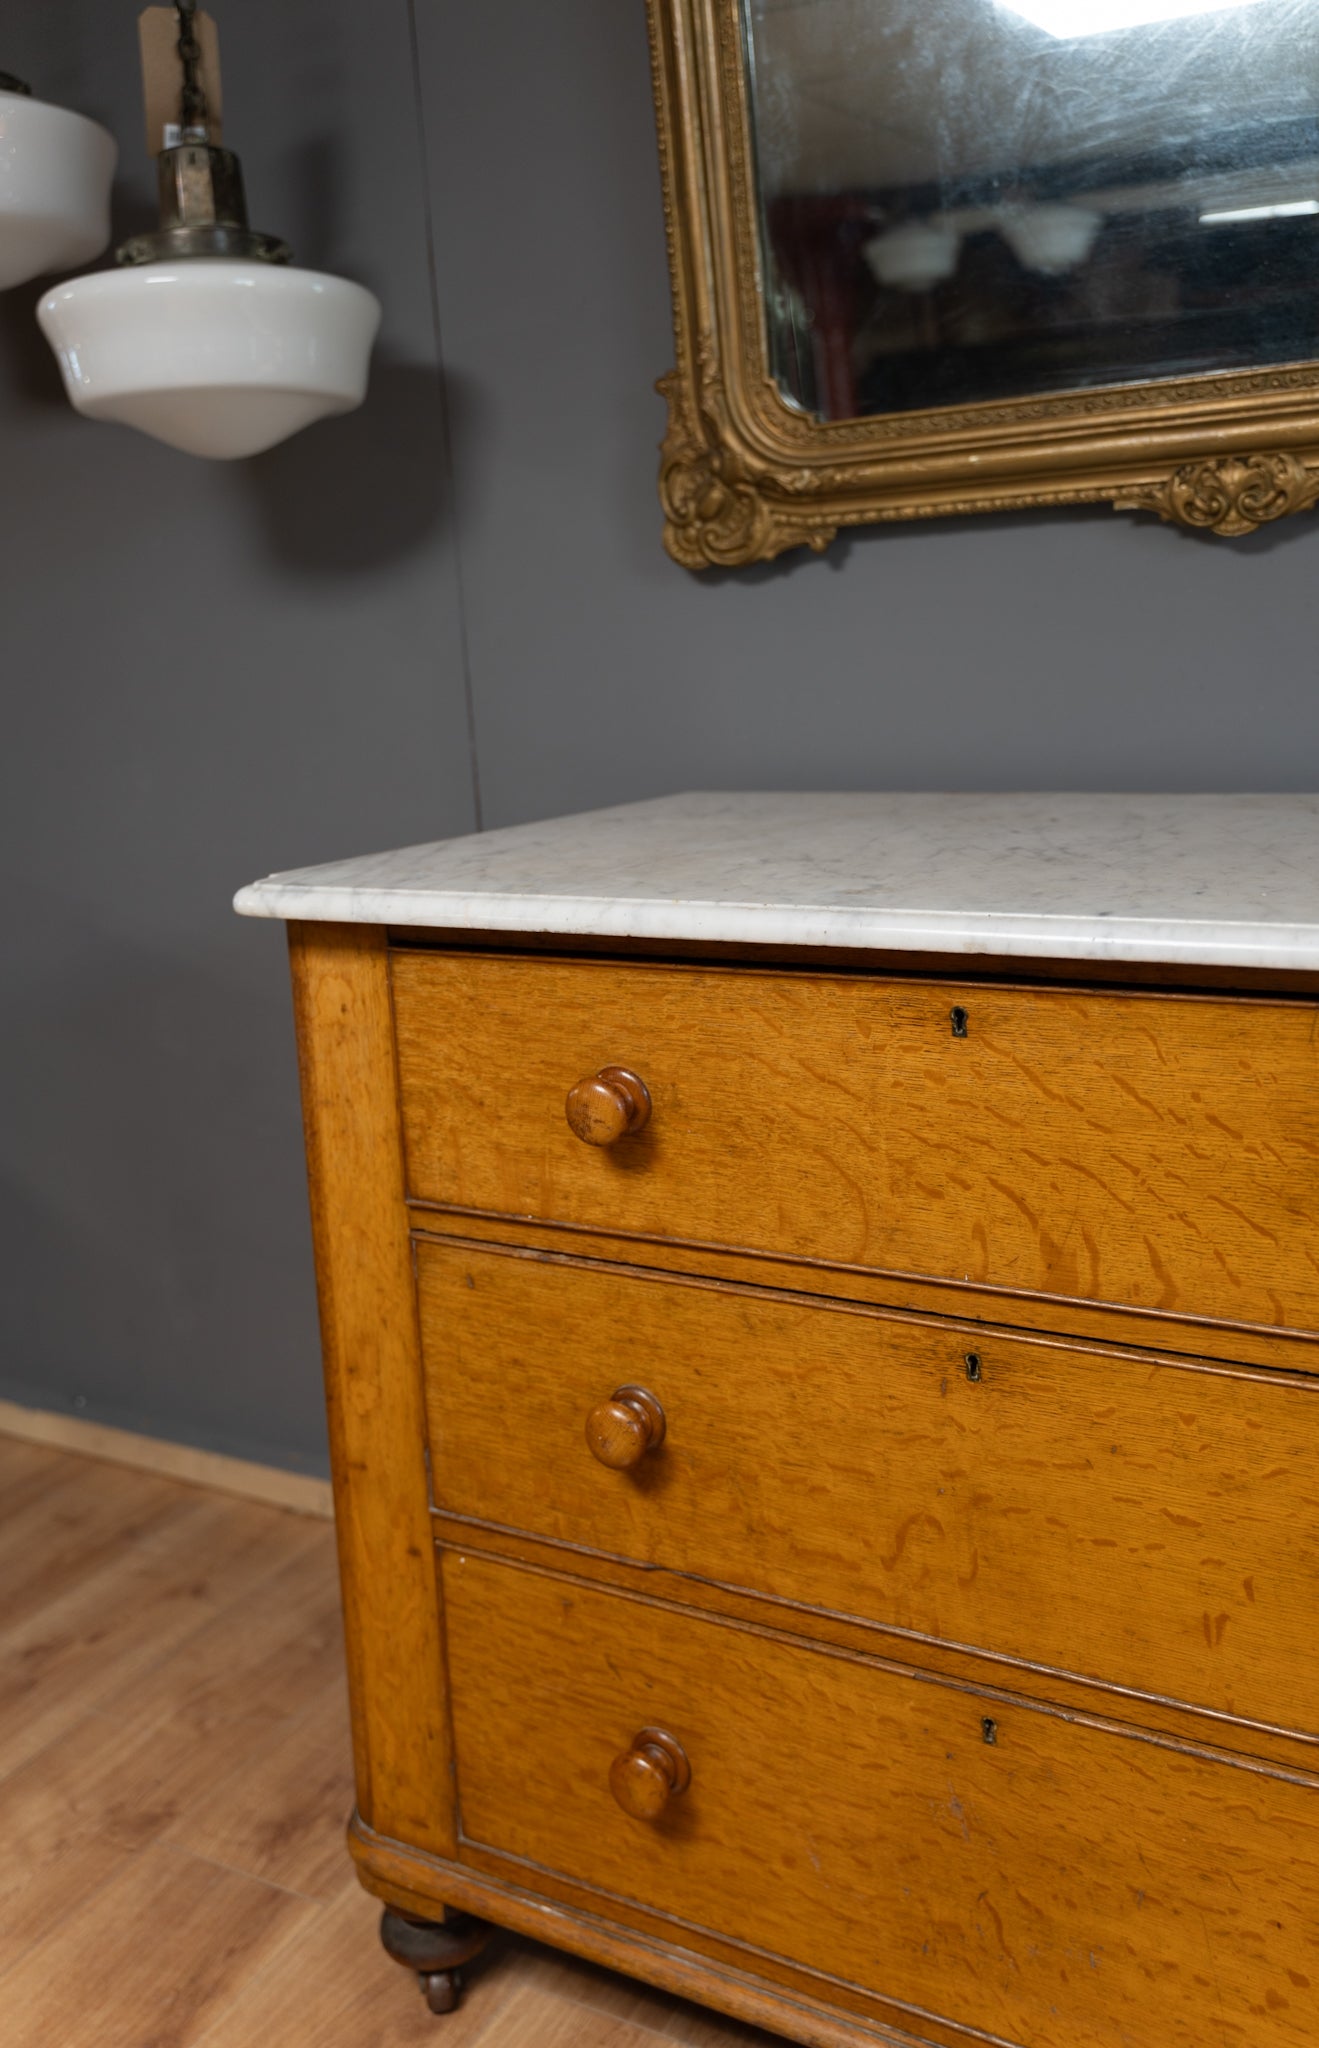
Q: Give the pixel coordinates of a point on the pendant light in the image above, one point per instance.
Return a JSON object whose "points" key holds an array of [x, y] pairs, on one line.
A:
{"points": [[1049, 239], [914, 256], [206, 337], [55, 173]]}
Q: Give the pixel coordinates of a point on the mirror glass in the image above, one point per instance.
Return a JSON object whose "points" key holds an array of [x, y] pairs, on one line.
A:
{"points": [[968, 200]]}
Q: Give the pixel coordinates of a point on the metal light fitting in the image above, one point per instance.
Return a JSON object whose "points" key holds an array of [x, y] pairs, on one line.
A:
{"points": [[203, 205], [203, 211]]}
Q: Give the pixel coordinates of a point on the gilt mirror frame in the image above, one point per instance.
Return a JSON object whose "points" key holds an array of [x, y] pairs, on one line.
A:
{"points": [[745, 475]]}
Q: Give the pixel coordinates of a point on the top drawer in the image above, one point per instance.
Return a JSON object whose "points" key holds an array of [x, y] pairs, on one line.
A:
{"points": [[1157, 1151]]}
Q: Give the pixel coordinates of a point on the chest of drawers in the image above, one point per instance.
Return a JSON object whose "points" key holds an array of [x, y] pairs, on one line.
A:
{"points": [[823, 1391]]}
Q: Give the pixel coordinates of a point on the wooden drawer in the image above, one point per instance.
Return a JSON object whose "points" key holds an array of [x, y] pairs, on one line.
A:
{"points": [[1065, 1885], [1157, 1151], [1143, 1521]]}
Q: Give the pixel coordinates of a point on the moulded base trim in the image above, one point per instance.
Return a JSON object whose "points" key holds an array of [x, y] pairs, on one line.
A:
{"points": [[413, 1881]]}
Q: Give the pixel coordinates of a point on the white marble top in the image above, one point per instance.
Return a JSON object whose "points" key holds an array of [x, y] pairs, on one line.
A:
{"points": [[1214, 880]]}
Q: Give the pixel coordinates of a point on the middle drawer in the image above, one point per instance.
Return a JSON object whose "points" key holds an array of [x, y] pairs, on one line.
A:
{"points": [[1149, 1522]]}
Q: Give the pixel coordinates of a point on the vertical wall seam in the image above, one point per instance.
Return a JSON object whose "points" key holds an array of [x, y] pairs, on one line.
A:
{"points": [[446, 414]]}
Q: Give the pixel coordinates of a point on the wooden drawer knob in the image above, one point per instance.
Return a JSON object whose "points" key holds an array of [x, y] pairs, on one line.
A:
{"points": [[622, 1430], [607, 1106], [647, 1776]]}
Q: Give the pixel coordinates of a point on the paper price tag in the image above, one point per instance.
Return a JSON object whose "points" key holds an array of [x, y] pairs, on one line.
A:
{"points": [[162, 75]]}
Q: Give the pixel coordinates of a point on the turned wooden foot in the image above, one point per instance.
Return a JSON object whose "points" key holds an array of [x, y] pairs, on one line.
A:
{"points": [[436, 1950]]}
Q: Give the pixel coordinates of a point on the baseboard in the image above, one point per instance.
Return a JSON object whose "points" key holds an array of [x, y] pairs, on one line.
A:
{"points": [[294, 1490]]}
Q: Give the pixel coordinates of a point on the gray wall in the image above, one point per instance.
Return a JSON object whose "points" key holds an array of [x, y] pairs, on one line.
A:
{"points": [[210, 671], [213, 672]]}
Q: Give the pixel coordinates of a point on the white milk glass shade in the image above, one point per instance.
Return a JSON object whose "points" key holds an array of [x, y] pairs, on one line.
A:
{"points": [[55, 174], [915, 256], [1050, 239], [221, 358]]}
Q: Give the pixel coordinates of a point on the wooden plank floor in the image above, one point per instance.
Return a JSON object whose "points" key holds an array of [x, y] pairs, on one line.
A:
{"points": [[174, 1781]]}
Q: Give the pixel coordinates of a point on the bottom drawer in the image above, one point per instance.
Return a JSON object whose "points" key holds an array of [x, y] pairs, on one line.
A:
{"points": [[1044, 1881]]}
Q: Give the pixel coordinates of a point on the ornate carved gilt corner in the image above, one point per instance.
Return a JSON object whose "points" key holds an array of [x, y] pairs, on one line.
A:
{"points": [[746, 474], [1228, 494], [718, 512], [725, 506]]}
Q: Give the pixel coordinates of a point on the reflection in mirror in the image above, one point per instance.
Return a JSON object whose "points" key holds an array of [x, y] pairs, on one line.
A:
{"points": [[967, 200]]}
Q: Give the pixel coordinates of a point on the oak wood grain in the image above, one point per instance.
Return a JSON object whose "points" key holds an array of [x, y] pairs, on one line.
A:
{"points": [[792, 1999], [958, 1305], [1062, 1883], [1158, 1151], [1098, 1521], [1271, 1747], [1132, 1518], [723, 1957], [370, 1348], [759, 1991]]}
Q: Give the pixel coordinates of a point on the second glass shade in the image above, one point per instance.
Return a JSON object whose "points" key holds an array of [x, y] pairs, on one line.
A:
{"points": [[55, 173]]}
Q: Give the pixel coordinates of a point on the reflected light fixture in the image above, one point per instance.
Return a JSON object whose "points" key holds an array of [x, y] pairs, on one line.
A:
{"points": [[915, 256], [55, 173], [1050, 240], [1072, 18], [206, 337]]}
